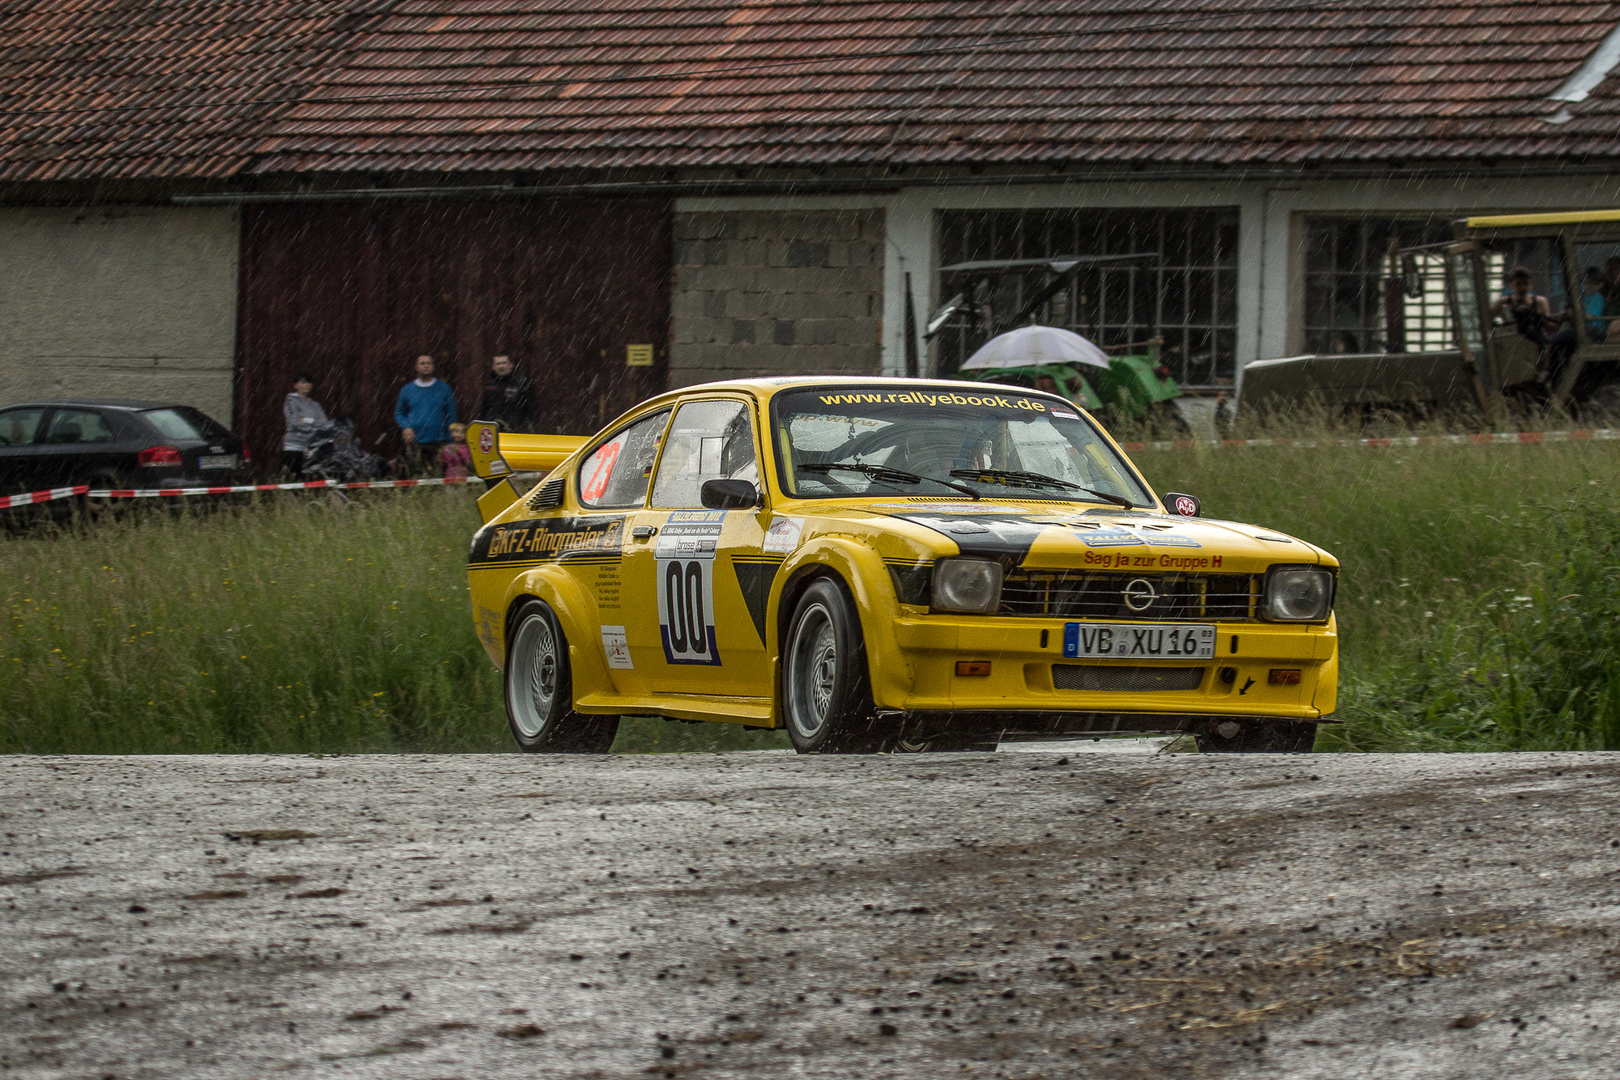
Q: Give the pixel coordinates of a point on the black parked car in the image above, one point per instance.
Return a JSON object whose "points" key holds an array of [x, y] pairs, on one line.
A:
{"points": [[117, 444]]}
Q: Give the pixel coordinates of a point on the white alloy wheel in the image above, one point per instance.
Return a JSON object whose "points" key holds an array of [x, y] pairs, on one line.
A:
{"points": [[812, 672], [532, 685]]}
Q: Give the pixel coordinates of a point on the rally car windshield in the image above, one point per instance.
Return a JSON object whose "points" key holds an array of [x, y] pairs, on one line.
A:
{"points": [[836, 442]]}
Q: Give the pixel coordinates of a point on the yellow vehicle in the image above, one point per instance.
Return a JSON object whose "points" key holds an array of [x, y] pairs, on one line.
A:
{"points": [[884, 564]]}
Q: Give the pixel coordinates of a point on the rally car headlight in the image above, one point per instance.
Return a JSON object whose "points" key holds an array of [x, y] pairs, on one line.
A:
{"points": [[1298, 594], [966, 585]]}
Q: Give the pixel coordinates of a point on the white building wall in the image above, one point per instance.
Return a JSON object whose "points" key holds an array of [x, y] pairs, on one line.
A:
{"points": [[1270, 238], [119, 301]]}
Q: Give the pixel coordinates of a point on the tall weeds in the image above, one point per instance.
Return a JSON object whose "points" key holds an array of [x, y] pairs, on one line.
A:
{"points": [[295, 624], [1471, 615], [1531, 670]]}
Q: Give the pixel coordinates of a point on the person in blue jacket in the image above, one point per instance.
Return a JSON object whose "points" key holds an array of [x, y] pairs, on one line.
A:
{"points": [[424, 413]]}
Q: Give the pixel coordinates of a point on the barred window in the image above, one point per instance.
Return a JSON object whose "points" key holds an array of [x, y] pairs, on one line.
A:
{"points": [[1346, 268], [1184, 292]]}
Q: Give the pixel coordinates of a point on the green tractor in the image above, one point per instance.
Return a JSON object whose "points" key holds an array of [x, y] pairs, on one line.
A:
{"points": [[1130, 392]]}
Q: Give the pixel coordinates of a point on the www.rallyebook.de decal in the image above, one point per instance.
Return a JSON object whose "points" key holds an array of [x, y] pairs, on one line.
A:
{"points": [[684, 582], [542, 540]]}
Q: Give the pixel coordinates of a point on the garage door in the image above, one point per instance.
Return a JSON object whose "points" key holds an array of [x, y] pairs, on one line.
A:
{"points": [[354, 292]]}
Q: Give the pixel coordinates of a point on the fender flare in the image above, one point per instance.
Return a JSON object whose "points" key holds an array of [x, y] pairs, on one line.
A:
{"points": [[877, 606], [568, 601]]}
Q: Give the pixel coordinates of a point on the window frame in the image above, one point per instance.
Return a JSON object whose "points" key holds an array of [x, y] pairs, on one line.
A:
{"points": [[48, 421], [750, 405], [39, 425], [579, 470], [1120, 458], [1413, 230], [1130, 307]]}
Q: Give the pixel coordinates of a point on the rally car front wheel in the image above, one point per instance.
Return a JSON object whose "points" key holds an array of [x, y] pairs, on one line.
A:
{"points": [[539, 689], [826, 689]]}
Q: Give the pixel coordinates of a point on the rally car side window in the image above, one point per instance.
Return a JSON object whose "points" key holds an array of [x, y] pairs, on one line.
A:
{"points": [[615, 475], [710, 440]]}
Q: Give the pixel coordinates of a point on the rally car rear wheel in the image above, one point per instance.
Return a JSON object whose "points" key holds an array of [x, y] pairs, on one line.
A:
{"points": [[539, 690], [826, 689]]}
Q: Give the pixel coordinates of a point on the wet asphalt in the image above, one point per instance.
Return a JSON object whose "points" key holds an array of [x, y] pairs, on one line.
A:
{"points": [[749, 915]]}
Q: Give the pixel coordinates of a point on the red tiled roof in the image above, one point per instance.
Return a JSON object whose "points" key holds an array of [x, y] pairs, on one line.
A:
{"points": [[220, 88]]}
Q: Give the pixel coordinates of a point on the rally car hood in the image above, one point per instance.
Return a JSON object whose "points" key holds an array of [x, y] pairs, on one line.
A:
{"points": [[1066, 535]]}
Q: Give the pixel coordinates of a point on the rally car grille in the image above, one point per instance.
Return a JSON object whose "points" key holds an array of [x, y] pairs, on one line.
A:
{"points": [[1088, 594]]}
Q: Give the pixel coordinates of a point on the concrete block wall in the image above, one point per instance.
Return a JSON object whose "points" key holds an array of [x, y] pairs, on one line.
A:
{"points": [[131, 302], [776, 293]]}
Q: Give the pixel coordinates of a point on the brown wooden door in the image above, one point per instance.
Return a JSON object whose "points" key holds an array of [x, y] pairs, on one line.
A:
{"points": [[354, 292]]}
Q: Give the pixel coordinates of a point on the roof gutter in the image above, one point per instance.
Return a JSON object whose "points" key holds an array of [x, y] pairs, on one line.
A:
{"points": [[873, 184]]}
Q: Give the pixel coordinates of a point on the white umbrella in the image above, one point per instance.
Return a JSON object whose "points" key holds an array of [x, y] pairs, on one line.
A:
{"points": [[1031, 345]]}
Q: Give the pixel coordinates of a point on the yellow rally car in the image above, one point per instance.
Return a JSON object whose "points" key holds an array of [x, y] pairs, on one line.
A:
{"points": [[884, 564]]}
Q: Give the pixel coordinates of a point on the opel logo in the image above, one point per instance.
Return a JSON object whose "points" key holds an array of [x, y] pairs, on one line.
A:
{"points": [[1140, 594]]}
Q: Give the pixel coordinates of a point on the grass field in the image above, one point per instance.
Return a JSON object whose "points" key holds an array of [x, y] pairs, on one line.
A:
{"points": [[1474, 606]]}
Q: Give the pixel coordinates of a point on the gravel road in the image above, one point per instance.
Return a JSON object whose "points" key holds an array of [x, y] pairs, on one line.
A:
{"points": [[1010, 915]]}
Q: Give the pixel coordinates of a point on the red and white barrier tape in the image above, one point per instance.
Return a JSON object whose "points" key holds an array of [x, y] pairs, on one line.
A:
{"points": [[1486, 438], [31, 497], [151, 493]]}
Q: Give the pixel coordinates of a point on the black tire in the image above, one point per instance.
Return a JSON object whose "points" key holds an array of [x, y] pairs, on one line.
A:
{"points": [[1257, 737], [539, 689], [826, 687]]}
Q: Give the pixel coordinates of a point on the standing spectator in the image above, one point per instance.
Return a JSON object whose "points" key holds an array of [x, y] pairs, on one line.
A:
{"points": [[1593, 301], [424, 413], [304, 417], [509, 398], [1611, 286], [454, 456]]}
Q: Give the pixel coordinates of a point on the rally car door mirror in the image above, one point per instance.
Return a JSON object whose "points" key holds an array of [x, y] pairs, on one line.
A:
{"points": [[1185, 505], [728, 494]]}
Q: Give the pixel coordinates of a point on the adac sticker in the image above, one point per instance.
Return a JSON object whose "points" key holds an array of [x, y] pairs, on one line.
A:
{"points": [[783, 535]]}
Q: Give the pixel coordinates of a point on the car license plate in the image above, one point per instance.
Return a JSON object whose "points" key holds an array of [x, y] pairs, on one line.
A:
{"points": [[217, 461], [1154, 640]]}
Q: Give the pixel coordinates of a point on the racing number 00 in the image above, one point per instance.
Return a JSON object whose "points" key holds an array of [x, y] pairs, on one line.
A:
{"points": [[683, 600]]}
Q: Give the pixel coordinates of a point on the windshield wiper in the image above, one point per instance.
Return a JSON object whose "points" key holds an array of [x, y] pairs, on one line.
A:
{"points": [[1035, 479], [883, 472]]}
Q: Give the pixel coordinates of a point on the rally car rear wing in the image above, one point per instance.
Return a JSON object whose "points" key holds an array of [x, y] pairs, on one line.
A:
{"points": [[498, 456]]}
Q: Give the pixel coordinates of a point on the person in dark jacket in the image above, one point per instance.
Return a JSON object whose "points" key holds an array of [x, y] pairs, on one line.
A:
{"points": [[509, 398], [424, 412]]}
